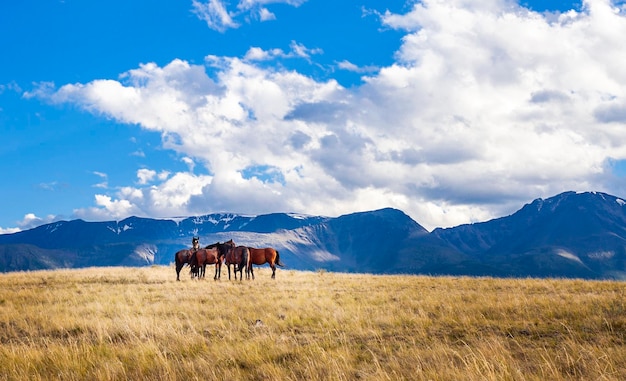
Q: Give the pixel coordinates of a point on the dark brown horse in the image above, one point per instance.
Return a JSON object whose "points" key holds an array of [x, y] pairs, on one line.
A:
{"points": [[222, 247], [181, 258], [262, 256], [238, 257], [202, 257]]}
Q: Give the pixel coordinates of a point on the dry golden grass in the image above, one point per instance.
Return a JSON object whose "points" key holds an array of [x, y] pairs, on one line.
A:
{"points": [[127, 323]]}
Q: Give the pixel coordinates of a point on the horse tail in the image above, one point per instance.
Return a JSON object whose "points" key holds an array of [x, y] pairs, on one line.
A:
{"points": [[278, 262], [245, 255]]}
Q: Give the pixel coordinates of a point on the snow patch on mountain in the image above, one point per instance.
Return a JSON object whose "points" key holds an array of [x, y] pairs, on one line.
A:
{"points": [[177, 220], [620, 201], [118, 230], [146, 252], [601, 255], [299, 216], [53, 227], [296, 241], [568, 255]]}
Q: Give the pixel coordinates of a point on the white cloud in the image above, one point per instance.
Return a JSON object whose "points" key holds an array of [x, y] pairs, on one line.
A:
{"points": [[250, 4], [29, 221], [10, 230], [258, 54], [189, 162], [297, 50], [168, 198], [163, 175], [215, 14], [489, 105], [144, 176], [266, 15], [10, 86], [107, 208], [138, 153], [219, 17], [105, 180], [349, 66]]}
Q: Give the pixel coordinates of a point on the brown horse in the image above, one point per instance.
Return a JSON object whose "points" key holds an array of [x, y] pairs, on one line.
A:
{"points": [[262, 256], [222, 247], [238, 257], [181, 258], [202, 257]]}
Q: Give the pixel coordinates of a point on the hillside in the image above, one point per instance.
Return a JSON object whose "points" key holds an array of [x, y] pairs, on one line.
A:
{"points": [[573, 235], [569, 235], [140, 324]]}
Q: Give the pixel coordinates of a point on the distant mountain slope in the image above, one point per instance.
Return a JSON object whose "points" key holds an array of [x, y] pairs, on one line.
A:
{"points": [[568, 235], [133, 241], [571, 235], [387, 241]]}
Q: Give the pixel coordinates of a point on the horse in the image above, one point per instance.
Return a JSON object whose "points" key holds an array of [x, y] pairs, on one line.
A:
{"points": [[202, 257], [181, 258], [238, 257], [262, 256], [222, 249]]}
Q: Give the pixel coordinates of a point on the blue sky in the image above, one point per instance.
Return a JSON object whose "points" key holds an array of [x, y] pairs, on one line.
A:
{"points": [[452, 111]]}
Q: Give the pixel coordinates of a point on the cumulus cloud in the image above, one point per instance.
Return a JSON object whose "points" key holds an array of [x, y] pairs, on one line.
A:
{"points": [[488, 105], [29, 221], [170, 197], [108, 208], [144, 176]]}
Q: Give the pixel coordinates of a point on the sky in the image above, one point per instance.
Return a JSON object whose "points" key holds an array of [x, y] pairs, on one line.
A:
{"points": [[453, 111]]}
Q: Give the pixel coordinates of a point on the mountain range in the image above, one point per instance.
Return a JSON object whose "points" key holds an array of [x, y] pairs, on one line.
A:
{"points": [[572, 235]]}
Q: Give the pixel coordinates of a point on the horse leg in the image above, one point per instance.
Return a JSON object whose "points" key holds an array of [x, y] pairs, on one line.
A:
{"points": [[228, 265], [273, 266], [178, 268]]}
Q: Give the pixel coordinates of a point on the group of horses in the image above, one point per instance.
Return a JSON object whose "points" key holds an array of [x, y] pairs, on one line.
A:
{"points": [[241, 257]]}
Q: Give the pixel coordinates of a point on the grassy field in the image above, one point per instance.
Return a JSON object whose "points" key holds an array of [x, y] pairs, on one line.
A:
{"points": [[127, 323]]}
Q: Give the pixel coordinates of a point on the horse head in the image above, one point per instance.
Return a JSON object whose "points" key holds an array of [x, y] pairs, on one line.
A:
{"points": [[226, 247], [195, 243]]}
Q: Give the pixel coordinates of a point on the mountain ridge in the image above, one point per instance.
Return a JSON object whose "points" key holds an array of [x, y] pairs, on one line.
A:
{"points": [[572, 234]]}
